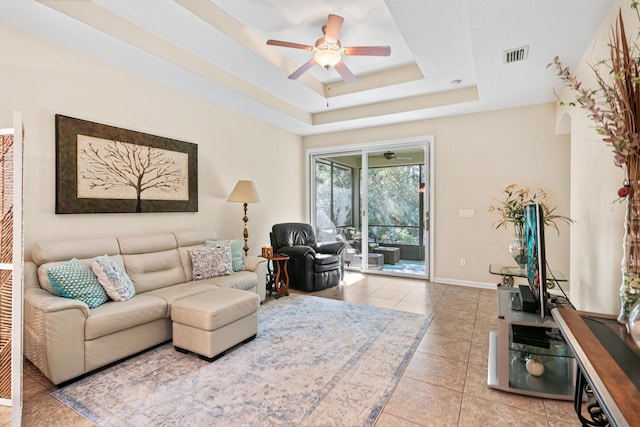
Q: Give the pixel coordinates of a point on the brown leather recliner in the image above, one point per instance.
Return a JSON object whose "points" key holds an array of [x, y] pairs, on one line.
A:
{"points": [[312, 265]]}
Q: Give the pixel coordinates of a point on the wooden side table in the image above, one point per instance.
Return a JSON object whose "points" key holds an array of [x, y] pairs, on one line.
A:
{"points": [[276, 281]]}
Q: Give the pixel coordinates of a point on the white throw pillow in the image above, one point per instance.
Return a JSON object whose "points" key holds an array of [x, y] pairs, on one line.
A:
{"points": [[211, 261], [113, 279]]}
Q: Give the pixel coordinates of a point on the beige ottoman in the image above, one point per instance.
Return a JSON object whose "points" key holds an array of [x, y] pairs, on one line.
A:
{"points": [[209, 324]]}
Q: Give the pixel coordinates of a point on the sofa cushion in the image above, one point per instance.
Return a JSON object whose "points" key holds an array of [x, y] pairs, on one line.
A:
{"points": [[117, 316], [237, 263], [175, 293], [63, 250], [154, 270], [244, 280], [144, 244], [74, 279], [211, 261], [113, 279], [194, 238]]}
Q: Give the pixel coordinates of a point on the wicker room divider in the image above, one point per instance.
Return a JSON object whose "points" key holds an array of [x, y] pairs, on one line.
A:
{"points": [[6, 257]]}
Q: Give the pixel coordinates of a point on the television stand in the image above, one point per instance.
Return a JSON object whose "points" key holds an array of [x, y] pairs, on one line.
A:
{"points": [[521, 336]]}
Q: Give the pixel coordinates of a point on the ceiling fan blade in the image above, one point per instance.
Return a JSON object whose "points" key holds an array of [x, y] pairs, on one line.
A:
{"points": [[368, 50], [332, 30], [345, 72], [289, 44], [297, 73]]}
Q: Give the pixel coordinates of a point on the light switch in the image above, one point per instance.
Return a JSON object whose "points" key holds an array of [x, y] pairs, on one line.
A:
{"points": [[467, 213]]}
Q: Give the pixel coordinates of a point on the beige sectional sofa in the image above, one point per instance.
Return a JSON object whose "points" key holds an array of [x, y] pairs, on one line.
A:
{"points": [[66, 339]]}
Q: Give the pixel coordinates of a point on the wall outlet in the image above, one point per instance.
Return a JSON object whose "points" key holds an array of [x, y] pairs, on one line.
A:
{"points": [[463, 262], [467, 213]]}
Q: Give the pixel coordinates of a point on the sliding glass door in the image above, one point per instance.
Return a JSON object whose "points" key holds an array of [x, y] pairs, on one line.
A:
{"points": [[377, 201], [334, 186], [396, 186]]}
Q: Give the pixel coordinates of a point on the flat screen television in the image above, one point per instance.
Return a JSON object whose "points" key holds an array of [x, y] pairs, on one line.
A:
{"points": [[536, 263]]}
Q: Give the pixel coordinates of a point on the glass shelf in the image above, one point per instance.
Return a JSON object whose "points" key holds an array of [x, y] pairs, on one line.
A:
{"points": [[557, 379], [508, 272], [557, 349]]}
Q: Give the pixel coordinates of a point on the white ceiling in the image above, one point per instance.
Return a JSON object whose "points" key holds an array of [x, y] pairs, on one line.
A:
{"points": [[215, 50]]}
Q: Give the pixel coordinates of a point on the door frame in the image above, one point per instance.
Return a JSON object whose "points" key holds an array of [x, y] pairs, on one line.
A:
{"points": [[428, 141]]}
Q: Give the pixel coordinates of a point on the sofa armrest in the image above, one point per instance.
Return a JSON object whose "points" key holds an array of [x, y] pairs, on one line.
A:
{"points": [[53, 331], [43, 301], [253, 262], [258, 265]]}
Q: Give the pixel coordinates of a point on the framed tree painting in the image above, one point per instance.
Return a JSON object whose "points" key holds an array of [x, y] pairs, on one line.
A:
{"points": [[105, 169]]}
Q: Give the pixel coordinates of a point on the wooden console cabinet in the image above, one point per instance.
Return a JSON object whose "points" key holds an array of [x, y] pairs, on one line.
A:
{"points": [[608, 361]]}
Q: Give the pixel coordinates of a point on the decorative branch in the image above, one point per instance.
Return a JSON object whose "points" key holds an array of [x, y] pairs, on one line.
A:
{"points": [[121, 165]]}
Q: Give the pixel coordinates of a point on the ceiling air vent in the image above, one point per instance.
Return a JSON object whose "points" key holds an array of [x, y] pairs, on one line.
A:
{"points": [[515, 55]]}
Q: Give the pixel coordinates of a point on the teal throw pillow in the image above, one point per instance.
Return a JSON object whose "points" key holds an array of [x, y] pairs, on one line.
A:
{"points": [[74, 279], [237, 263]]}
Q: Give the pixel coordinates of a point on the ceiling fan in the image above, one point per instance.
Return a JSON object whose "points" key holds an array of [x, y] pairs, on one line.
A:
{"points": [[390, 155], [329, 51]]}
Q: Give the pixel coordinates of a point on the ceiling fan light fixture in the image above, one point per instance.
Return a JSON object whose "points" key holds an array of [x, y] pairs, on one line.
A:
{"points": [[327, 57], [327, 53]]}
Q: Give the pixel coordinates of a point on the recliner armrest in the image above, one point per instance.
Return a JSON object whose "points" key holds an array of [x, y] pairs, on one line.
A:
{"points": [[296, 250], [330, 247]]}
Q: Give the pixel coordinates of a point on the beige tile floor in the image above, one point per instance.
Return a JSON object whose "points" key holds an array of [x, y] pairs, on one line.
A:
{"points": [[443, 385]]}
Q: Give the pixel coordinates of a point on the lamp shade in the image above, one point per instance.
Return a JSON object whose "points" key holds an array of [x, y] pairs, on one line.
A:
{"points": [[244, 192]]}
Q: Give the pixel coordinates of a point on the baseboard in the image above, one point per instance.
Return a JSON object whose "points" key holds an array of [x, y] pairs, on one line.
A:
{"points": [[481, 285], [464, 283]]}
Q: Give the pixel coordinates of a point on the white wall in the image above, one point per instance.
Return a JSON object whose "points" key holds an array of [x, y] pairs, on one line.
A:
{"points": [[41, 80], [596, 240], [476, 156]]}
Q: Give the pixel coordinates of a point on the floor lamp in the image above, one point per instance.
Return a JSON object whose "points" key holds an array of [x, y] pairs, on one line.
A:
{"points": [[245, 192]]}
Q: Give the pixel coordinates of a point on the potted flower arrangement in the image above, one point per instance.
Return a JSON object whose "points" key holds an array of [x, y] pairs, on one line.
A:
{"points": [[614, 107], [511, 210]]}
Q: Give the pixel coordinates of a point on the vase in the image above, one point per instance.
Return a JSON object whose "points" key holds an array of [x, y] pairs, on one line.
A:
{"points": [[630, 287], [518, 250]]}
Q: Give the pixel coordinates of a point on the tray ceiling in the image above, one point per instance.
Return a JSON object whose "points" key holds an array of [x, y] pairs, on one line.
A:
{"points": [[447, 57]]}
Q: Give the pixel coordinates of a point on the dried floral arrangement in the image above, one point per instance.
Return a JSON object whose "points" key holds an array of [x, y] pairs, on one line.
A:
{"points": [[614, 107], [511, 208]]}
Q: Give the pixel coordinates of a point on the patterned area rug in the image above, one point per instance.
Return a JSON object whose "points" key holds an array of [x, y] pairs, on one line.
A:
{"points": [[315, 362]]}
